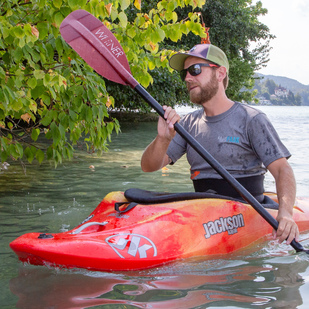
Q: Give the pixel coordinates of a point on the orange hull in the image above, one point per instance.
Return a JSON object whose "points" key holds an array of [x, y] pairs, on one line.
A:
{"points": [[152, 235]]}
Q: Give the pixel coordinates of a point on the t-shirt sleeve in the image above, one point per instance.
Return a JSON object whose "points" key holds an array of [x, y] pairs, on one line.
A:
{"points": [[177, 148], [265, 140]]}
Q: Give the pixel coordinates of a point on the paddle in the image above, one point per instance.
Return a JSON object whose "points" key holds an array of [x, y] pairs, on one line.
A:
{"points": [[101, 50]]}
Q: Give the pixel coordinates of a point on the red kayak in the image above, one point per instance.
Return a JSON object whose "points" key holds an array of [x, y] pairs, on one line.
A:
{"points": [[141, 229]]}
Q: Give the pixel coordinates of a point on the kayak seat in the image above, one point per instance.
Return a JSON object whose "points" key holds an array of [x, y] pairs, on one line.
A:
{"points": [[152, 197]]}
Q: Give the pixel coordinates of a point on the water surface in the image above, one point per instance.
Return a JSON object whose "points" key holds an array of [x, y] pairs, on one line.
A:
{"points": [[44, 199]]}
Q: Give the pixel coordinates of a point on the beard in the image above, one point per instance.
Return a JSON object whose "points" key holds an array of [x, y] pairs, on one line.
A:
{"points": [[206, 92]]}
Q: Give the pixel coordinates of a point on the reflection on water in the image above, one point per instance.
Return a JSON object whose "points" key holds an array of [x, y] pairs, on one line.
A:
{"points": [[44, 199], [264, 283]]}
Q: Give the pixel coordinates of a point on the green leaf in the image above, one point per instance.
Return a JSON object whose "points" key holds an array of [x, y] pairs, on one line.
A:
{"points": [[48, 118], [2, 115], [19, 150], [62, 130], [37, 91], [171, 6], [35, 134], [60, 47], [57, 3], [110, 127], [57, 156], [43, 30], [41, 3], [46, 99], [58, 19], [33, 106], [131, 32], [49, 153], [18, 32], [2, 73], [28, 32], [39, 74], [184, 28], [124, 4], [123, 19], [89, 115], [13, 151], [32, 82], [161, 34], [4, 155], [73, 115], [29, 154], [21, 42], [75, 134], [46, 80], [73, 4], [18, 54], [197, 29], [157, 35], [55, 133], [39, 155], [114, 13], [17, 105]]}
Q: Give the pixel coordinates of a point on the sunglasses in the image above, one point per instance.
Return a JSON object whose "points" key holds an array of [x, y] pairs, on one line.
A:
{"points": [[196, 69]]}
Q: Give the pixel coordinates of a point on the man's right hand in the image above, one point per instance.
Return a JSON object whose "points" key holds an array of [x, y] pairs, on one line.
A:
{"points": [[166, 125]]}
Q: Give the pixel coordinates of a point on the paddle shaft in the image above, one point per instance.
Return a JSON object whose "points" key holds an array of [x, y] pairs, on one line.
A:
{"points": [[125, 77]]}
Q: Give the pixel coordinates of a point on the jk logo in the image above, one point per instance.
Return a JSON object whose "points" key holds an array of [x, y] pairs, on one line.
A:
{"points": [[127, 244]]}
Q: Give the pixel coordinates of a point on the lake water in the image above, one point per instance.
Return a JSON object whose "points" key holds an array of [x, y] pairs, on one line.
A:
{"points": [[44, 199]]}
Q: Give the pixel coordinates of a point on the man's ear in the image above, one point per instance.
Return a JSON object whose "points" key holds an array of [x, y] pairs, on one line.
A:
{"points": [[221, 73]]}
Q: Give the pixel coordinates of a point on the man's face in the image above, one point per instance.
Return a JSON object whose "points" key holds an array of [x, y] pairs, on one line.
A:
{"points": [[203, 87]]}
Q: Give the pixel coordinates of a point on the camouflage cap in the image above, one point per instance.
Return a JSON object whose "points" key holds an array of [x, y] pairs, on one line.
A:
{"points": [[204, 51]]}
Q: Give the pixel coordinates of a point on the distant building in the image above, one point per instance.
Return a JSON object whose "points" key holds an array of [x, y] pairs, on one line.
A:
{"points": [[264, 102], [281, 92]]}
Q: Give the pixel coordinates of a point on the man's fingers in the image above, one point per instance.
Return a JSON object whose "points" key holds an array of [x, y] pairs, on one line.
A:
{"points": [[294, 234], [286, 231], [170, 116]]}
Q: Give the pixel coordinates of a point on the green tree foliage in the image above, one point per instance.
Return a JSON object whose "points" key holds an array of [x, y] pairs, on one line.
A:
{"points": [[47, 91], [167, 88], [235, 28], [270, 86]]}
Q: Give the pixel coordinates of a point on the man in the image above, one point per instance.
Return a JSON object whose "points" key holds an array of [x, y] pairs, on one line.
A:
{"points": [[240, 137]]}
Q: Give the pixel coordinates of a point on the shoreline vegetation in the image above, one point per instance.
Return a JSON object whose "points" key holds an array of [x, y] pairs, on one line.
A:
{"points": [[134, 116]]}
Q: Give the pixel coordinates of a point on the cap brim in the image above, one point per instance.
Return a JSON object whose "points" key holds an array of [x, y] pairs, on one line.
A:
{"points": [[177, 61]]}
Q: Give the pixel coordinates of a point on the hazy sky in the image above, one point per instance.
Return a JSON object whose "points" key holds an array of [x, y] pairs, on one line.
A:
{"points": [[288, 20]]}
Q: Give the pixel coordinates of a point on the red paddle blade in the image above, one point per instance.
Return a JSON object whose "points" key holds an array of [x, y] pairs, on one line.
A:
{"points": [[97, 46]]}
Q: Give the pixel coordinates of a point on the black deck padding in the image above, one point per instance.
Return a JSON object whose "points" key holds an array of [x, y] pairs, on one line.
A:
{"points": [[152, 197]]}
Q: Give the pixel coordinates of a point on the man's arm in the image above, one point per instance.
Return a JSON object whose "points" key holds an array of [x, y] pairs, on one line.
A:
{"points": [[154, 156], [286, 192]]}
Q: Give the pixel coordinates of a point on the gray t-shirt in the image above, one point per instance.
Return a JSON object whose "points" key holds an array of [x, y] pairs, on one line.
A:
{"points": [[241, 139]]}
